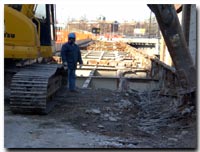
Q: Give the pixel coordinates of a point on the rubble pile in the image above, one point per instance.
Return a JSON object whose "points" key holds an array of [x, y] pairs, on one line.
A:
{"points": [[130, 115], [107, 46]]}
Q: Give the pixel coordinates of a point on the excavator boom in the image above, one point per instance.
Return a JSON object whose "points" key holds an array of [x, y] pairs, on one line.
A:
{"points": [[174, 38]]}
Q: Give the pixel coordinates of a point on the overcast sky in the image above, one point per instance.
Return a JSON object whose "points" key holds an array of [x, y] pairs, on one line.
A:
{"points": [[112, 10]]}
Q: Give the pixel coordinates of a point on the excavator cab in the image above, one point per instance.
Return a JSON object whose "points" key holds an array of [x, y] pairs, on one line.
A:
{"points": [[29, 30]]}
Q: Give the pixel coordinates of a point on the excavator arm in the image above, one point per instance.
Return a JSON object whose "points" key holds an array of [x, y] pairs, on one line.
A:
{"points": [[29, 10], [26, 9], [170, 27]]}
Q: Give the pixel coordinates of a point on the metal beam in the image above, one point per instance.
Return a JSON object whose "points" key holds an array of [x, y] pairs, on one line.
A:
{"points": [[170, 27]]}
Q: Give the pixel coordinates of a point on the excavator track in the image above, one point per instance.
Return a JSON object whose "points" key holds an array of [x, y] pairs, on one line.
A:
{"points": [[33, 88]]}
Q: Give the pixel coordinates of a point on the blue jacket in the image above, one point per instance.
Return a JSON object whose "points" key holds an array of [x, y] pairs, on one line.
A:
{"points": [[71, 54]]}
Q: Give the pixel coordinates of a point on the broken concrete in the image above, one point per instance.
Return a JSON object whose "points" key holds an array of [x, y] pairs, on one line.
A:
{"points": [[153, 122]]}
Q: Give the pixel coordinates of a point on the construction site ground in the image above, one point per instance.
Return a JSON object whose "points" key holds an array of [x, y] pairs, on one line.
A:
{"points": [[101, 118], [133, 104]]}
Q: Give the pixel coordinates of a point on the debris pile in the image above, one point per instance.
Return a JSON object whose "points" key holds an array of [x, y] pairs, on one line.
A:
{"points": [[107, 46], [142, 116]]}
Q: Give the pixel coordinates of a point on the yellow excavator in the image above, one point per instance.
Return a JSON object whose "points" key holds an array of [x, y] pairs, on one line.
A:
{"points": [[29, 30], [29, 33]]}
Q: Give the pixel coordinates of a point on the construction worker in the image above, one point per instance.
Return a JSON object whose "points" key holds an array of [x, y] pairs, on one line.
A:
{"points": [[70, 53]]}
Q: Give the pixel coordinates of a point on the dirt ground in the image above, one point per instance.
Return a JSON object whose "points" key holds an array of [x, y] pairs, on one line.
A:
{"points": [[104, 119]]}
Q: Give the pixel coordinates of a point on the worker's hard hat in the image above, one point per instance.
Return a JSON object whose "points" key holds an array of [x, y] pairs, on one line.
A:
{"points": [[72, 35]]}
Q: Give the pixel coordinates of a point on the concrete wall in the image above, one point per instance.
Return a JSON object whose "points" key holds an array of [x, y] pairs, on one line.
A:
{"points": [[106, 73], [193, 33], [104, 83], [83, 73], [143, 86], [164, 53]]}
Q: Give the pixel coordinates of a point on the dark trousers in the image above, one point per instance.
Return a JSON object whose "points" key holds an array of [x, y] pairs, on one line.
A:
{"points": [[72, 79]]}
